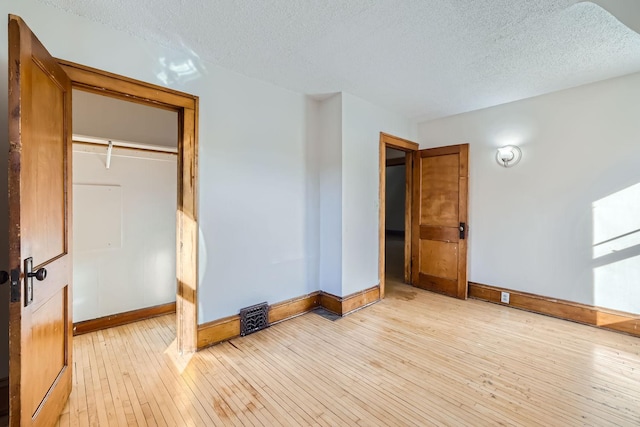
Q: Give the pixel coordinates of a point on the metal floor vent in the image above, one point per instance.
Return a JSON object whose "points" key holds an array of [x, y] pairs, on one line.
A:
{"points": [[327, 314], [254, 318]]}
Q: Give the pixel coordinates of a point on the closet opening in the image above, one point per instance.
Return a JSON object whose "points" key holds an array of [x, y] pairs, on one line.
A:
{"points": [[125, 168]]}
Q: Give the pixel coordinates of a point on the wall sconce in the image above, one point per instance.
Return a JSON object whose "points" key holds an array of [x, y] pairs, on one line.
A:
{"points": [[508, 156]]}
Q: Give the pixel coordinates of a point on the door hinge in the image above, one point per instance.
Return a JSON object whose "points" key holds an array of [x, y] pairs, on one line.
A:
{"points": [[15, 285]]}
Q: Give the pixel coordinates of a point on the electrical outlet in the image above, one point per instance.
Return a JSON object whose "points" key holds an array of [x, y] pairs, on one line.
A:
{"points": [[504, 297]]}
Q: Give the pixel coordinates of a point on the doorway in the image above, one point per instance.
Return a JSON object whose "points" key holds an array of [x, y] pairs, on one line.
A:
{"points": [[186, 106], [124, 175], [396, 155], [436, 227]]}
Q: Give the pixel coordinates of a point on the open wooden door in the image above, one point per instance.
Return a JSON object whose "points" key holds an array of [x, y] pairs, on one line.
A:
{"points": [[39, 235], [439, 220]]}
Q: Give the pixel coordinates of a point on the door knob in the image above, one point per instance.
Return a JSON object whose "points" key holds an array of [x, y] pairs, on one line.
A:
{"points": [[4, 277], [40, 274]]}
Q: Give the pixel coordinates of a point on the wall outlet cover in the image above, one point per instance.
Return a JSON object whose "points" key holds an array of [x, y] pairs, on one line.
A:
{"points": [[504, 297]]}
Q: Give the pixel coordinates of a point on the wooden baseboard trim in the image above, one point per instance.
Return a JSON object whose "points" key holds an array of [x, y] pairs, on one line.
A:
{"points": [[224, 329], [4, 396], [294, 307], [229, 327], [582, 313], [119, 319], [350, 303]]}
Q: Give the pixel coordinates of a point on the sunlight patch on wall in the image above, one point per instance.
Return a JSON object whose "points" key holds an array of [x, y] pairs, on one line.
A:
{"points": [[616, 222], [616, 250], [617, 285], [179, 69]]}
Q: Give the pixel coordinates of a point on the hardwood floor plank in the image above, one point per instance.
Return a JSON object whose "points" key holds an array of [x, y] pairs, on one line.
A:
{"points": [[415, 358]]}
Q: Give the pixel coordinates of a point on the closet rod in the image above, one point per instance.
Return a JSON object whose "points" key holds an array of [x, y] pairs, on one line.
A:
{"points": [[123, 144]]}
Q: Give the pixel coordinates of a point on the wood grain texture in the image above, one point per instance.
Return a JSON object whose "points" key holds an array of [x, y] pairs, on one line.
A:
{"points": [[463, 212], [440, 151], [439, 196], [398, 143], [294, 307], [360, 299], [415, 223], [218, 330], [590, 315], [345, 305], [407, 218], [118, 319], [187, 107], [443, 234], [331, 303], [40, 200], [108, 84], [382, 210], [399, 362], [440, 205], [187, 229], [437, 284], [439, 259]]}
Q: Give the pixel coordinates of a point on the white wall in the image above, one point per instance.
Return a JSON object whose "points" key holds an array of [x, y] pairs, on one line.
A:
{"points": [[255, 187], [124, 231], [262, 173], [330, 179], [362, 124], [106, 117], [539, 227], [349, 200]]}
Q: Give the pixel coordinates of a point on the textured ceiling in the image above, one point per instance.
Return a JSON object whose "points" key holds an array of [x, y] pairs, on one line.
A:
{"points": [[423, 58]]}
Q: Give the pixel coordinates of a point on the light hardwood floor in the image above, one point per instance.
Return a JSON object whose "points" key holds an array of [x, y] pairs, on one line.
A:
{"points": [[415, 358]]}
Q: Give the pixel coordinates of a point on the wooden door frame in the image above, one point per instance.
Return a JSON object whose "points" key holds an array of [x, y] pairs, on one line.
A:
{"points": [[390, 141], [120, 87]]}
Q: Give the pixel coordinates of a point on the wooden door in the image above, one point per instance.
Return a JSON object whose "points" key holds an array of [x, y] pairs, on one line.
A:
{"points": [[439, 220], [39, 235]]}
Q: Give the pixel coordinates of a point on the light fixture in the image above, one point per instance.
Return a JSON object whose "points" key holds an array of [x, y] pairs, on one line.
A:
{"points": [[508, 156]]}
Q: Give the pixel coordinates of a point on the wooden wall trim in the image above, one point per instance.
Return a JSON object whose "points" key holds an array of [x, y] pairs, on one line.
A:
{"points": [[398, 143], [345, 305], [407, 216], [218, 330], [229, 327], [582, 313], [331, 303], [409, 147], [93, 80], [187, 107], [224, 329], [360, 299], [4, 396], [294, 307], [119, 319]]}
